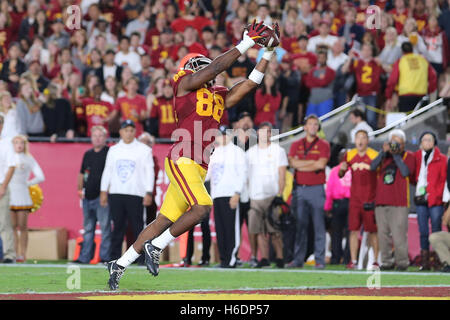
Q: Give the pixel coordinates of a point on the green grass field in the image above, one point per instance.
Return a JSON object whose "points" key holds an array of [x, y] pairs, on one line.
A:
{"points": [[39, 278]]}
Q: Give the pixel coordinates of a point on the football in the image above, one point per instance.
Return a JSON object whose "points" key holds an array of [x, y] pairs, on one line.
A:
{"points": [[270, 37]]}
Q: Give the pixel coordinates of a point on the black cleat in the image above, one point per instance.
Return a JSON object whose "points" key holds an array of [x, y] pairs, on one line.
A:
{"points": [[152, 255], [115, 273]]}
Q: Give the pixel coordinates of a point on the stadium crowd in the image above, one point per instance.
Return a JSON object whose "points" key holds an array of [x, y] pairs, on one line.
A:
{"points": [[58, 79]]}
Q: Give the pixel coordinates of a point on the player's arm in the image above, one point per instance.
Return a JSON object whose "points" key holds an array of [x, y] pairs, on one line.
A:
{"points": [[196, 80]]}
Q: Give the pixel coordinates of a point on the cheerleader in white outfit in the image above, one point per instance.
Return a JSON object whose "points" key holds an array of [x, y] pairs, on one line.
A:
{"points": [[20, 200]]}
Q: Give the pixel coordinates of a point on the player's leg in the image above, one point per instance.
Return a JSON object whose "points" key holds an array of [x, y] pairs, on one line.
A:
{"points": [[172, 203], [189, 179], [371, 227], [354, 226]]}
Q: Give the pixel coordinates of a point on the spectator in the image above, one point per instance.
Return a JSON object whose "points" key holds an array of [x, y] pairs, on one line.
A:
{"points": [[29, 111], [140, 24], [26, 25], [101, 37], [411, 35], [357, 118], [367, 73], [162, 116], [133, 105], [152, 37], [108, 68], [97, 112], [395, 167], [150, 210], [191, 19], [437, 45], [362, 196], [320, 82], [20, 201], [8, 164], [125, 57], [336, 56], [57, 114], [414, 77], [79, 50], [391, 51], [59, 35], [336, 206], [350, 31], [89, 180], [13, 68], [430, 174], [309, 156], [191, 41], [11, 122], [145, 75], [441, 243], [400, 14], [323, 38], [128, 179], [208, 37], [266, 163], [289, 86], [95, 63], [267, 101], [304, 13], [41, 27], [136, 46], [245, 138], [238, 71], [228, 177], [35, 72]]}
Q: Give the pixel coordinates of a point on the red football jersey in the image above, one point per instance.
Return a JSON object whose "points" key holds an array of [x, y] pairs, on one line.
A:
{"points": [[197, 112], [164, 111], [130, 108], [96, 113], [367, 76], [364, 181]]}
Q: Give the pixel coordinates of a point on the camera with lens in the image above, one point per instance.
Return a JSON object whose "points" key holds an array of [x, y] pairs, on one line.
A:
{"points": [[394, 146]]}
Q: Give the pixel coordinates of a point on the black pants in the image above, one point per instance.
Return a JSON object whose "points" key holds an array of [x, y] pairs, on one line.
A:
{"points": [[227, 230], [206, 241], [339, 230], [126, 210], [408, 103]]}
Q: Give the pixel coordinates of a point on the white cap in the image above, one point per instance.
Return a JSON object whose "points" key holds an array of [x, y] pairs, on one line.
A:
{"points": [[398, 133]]}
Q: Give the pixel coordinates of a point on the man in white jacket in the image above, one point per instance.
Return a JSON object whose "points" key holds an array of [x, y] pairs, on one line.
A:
{"points": [[266, 164], [128, 178], [228, 175]]}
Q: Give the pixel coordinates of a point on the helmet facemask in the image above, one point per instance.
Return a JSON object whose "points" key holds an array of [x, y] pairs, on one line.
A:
{"points": [[198, 63]]}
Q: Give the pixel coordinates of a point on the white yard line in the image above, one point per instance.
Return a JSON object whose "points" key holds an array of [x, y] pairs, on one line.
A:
{"points": [[212, 269]]}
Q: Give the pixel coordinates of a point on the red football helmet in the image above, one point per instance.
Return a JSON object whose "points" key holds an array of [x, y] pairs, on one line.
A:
{"points": [[194, 62]]}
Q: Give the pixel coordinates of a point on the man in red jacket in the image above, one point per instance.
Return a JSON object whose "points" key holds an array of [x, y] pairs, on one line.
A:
{"points": [[431, 173], [395, 168]]}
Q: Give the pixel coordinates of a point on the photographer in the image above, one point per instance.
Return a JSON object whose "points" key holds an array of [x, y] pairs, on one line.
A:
{"points": [[431, 172], [395, 169]]}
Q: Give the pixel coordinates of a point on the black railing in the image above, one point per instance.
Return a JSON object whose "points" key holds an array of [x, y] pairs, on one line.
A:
{"points": [[88, 140]]}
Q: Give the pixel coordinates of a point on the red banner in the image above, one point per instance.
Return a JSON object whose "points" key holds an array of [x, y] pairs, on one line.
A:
{"points": [[61, 164]]}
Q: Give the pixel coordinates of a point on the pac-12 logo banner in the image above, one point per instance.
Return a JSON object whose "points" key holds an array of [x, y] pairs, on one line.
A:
{"points": [[125, 169]]}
